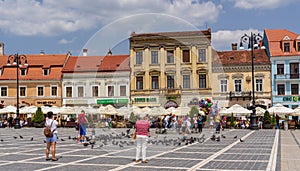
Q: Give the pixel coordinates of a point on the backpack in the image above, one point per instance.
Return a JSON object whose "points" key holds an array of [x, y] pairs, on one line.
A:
{"points": [[47, 131]]}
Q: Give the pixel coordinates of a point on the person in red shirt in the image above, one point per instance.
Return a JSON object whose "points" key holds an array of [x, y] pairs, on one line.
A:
{"points": [[82, 121], [142, 127]]}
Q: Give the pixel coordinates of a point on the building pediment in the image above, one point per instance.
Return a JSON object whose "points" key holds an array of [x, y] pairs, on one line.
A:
{"points": [[235, 76]]}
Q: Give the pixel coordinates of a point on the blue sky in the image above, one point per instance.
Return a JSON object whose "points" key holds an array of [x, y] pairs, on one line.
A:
{"points": [[59, 26]]}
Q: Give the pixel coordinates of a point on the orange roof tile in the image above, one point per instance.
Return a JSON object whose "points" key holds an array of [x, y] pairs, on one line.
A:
{"points": [[97, 63], [36, 64], [275, 38], [240, 57]]}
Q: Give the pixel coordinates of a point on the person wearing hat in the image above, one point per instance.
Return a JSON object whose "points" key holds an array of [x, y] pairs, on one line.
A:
{"points": [[142, 127]]}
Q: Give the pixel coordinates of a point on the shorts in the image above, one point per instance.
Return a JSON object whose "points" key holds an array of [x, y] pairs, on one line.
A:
{"points": [[82, 129], [53, 139]]}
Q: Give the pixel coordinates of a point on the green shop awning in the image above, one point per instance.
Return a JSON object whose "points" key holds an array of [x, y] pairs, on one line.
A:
{"points": [[112, 101]]}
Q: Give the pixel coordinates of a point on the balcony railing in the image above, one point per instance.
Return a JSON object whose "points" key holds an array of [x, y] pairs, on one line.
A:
{"points": [[286, 76]]}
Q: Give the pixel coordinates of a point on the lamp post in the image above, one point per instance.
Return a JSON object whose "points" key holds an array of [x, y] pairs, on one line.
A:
{"points": [[17, 61], [252, 42]]}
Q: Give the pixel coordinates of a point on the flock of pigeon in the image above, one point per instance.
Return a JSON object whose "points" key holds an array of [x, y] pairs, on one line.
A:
{"points": [[122, 139], [218, 138]]}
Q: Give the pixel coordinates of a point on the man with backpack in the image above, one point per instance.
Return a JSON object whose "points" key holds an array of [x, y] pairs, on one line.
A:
{"points": [[82, 121]]}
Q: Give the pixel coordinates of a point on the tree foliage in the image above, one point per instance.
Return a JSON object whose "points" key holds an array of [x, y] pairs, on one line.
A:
{"points": [[267, 117], [194, 111], [39, 116], [231, 120], [132, 118]]}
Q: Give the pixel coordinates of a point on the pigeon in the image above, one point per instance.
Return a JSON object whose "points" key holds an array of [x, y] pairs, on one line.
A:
{"points": [[86, 144], [213, 138], [44, 141], [70, 137], [235, 136], [62, 139], [1, 140], [217, 138], [120, 145], [31, 139], [15, 137], [241, 140], [223, 136], [92, 146], [21, 136]]}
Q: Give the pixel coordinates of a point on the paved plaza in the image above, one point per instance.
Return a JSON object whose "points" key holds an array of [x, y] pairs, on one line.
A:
{"points": [[260, 150]]}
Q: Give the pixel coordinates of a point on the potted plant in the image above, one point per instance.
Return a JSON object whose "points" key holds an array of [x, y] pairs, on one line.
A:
{"points": [[132, 120], [267, 121], [273, 120], [38, 118]]}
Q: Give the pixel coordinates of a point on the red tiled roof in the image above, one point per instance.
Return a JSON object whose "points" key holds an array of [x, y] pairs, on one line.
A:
{"points": [[275, 38], [97, 63], [36, 64], [240, 57], [173, 34]]}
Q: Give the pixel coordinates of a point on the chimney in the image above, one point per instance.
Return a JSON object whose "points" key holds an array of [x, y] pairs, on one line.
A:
{"points": [[42, 52], [84, 52], [109, 53], [234, 46], [1, 48]]}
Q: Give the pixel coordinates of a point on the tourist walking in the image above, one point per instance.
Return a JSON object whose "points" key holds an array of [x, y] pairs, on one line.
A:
{"points": [[51, 142], [10, 121], [82, 121], [142, 127]]}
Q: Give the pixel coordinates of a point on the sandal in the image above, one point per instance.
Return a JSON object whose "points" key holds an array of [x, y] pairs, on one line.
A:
{"points": [[54, 159], [47, 159]]}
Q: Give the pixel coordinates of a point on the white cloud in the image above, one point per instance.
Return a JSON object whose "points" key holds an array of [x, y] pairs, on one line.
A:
{"points": [[222, 39], [48, 17], [259, 4], [65, 41]]}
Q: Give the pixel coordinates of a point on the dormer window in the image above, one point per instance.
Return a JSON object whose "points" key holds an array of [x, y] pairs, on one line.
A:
{"points": [[23, 72], [286, 47], [45, 72], [298, 46]]}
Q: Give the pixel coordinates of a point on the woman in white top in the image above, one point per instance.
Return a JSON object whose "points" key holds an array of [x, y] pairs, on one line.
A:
{"points": [[51, 142]]}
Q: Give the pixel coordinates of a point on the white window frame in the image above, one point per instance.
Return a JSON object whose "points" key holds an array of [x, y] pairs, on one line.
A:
{"points": [[71, 92], [48, 72], [114, 90], [37, 90], [225, 86], [241, 84], [6, 91], [92, 92], [262, 85], [125, 89], [83, 91], [51, 86], [20, 91]]}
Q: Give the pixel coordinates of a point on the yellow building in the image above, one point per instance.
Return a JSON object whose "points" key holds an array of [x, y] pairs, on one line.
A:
{"points": [[170, 69], [232, 73]]}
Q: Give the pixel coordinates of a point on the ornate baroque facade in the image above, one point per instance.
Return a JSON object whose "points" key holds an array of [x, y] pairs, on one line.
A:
{"points": [[170, 68]]}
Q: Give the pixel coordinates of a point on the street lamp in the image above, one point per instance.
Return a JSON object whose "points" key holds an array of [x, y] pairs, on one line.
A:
{"points": [[17, 61], [252, 42]]}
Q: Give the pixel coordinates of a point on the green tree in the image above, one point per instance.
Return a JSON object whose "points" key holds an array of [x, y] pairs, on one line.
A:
{"points": [[232, 120], [132, 118], [39, 116], [194, 111], [267, 117], [273, 119]]}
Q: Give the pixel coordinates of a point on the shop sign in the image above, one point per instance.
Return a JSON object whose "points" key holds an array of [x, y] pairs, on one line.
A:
{"points": [[291, 99]]}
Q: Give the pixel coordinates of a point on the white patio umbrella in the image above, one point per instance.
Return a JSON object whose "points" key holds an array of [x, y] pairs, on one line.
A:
{"points": [[260, 111], [67, 110], [54, 109], [8, 109], [236, 110], [28, 110], [280, 110], [108, 110], [181, 111], [157, 111], [296, 112]]}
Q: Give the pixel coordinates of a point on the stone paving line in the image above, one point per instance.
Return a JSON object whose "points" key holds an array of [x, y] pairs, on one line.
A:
{"points": [[257, 152], [290, 150]]}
